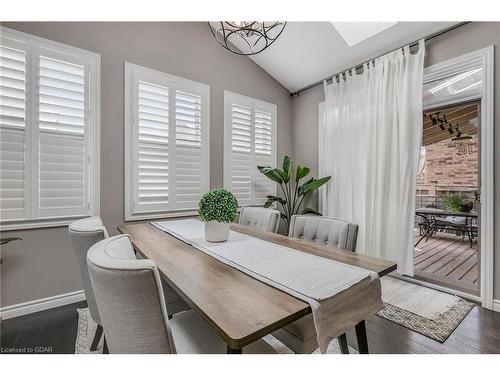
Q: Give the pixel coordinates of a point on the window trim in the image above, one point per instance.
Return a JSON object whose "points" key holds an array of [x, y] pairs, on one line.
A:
{"points": [[130, 71], [234, 98], [92, 62]]}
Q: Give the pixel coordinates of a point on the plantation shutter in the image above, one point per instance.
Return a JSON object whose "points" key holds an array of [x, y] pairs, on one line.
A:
{"points": [[49, 132], [152, 171], [62, 121], [189, 179], [167, 130], [263, 155], [249, 139], [241, 153], [12, 132]]}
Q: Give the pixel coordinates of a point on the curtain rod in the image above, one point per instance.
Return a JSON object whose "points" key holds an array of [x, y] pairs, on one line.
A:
{"points": [[359, 66]]}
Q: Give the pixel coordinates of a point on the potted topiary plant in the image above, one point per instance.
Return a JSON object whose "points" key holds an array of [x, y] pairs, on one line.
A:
{"points": [[217, 209]]}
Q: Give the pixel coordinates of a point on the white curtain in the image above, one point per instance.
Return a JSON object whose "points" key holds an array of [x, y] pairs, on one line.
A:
{"points": [[370, 137]]}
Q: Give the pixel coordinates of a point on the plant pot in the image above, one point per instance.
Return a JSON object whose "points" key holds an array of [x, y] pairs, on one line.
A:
{"points": [[216, 231], [466, 207]]}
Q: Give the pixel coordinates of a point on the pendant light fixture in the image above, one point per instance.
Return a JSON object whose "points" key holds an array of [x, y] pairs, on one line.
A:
{"points": [[246, 37]]}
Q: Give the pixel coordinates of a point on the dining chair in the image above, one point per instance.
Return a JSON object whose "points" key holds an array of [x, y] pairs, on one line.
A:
{"points": [[300, 336], [131, 302], [324, 231], [259, 217], [84, 233], [173, 301]]}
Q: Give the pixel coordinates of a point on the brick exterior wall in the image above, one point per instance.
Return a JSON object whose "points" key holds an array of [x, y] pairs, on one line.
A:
{"points": [[446, 172]]}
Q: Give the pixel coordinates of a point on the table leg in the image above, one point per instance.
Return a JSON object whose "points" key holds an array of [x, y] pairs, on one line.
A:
{"points": [[233, 351], [361, 337]]}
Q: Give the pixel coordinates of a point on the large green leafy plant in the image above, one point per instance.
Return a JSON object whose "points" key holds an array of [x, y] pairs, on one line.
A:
{"points": [[219, 205], [457, 203], [294, 192], [6, 240]]}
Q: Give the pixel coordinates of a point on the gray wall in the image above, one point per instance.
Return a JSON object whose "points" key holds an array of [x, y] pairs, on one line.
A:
{"points": [[43, 265], [465, 39], [305, 114]]}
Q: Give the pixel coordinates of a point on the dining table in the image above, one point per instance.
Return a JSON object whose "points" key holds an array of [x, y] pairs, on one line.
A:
{"points": [[239, 307]]}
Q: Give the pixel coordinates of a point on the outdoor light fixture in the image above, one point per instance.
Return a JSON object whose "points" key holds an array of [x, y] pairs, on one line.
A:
{"points": [[463, 145], [439, 120], [246, 37]]}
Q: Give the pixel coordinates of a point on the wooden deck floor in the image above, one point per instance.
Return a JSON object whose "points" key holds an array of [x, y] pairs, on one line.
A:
{"points": [[447, 260]]}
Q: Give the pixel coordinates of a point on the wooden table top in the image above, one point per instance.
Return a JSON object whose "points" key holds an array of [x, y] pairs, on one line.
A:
{"points": [[241, 308]]}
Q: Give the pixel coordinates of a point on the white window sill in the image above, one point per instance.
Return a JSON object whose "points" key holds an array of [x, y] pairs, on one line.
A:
{"points": [[160, 215], [38, 224]]}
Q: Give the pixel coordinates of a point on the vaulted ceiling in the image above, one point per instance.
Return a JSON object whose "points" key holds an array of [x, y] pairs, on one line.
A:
{"points": [[310, 51]]}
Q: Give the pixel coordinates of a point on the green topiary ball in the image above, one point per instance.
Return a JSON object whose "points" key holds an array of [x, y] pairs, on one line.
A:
{"points": [[219, 205]]}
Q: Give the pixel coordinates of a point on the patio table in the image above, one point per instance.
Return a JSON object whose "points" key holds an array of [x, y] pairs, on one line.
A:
{"points": [[429, 217]]}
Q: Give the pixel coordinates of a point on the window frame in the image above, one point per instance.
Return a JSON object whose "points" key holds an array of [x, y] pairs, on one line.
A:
{"points": [[34, 46], [132, 73], [231, 98]]}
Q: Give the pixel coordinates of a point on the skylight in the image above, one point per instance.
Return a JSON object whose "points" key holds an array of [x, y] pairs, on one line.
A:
{"points": [[355, 32]]}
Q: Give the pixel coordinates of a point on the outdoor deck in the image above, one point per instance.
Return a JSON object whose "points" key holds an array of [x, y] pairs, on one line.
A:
{"points": [[447, 260]]}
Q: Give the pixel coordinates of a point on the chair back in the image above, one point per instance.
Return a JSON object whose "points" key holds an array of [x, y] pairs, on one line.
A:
{"points": [[130, 298], [262, 218], [84, 233], [325, 231]]}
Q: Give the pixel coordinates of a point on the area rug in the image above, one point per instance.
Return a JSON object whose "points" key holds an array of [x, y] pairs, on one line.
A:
{"points": [[85, 334], [424, 310], [87, 328]]}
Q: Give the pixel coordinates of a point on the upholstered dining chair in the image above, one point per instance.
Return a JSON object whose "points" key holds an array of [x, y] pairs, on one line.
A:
{"points": [[300, 336], [84, 233], [131, 302], [262, 218], [325, 231]]}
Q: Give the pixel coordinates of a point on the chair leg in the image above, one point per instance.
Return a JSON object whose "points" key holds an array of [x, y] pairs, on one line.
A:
{"points": [[344, 348], [361, 337], [233, 350], [105, 349], [97, 338]]}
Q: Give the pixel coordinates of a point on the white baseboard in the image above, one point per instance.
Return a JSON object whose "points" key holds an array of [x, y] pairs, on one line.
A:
{"points": [[30, 307], [496, 305]]}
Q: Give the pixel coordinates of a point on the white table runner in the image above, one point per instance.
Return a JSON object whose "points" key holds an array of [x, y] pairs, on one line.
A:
{"points": [[321, 282]]}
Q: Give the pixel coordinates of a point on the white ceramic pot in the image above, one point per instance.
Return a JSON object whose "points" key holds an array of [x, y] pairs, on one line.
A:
{"points": [[216, 231]]}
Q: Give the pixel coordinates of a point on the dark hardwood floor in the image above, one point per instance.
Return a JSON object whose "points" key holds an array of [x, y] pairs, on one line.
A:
{"points": [[52, 331], [55, 330]]}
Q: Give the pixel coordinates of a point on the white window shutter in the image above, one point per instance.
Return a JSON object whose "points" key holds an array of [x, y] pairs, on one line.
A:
{"points": [[61, 122], [189, 181], [12, 133], [249, 142], [49, 132], [152, 169], [263, 141], [241, 153], [166, 132]]}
